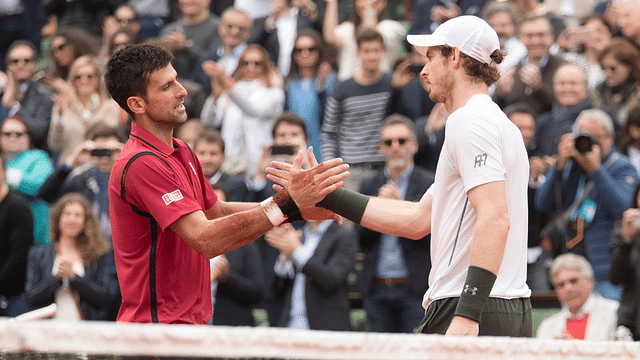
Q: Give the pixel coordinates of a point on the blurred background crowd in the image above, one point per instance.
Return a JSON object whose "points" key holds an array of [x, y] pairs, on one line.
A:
{"points": [[266, 78]]}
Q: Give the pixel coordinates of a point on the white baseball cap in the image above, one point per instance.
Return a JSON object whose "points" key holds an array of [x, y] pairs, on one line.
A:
{"points": [[472, 35]]}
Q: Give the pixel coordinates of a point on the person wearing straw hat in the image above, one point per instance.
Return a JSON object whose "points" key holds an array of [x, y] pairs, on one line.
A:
{"points": [[476, 209]]}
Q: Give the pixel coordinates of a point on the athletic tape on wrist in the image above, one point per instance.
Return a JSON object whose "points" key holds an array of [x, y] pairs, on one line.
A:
{"points": [[347, 203], [475, 293], [273, 212], [280, 207]]}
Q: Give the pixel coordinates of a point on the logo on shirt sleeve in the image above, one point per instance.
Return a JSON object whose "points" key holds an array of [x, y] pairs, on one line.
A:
{"points": [[480, 160], [171, 197]]}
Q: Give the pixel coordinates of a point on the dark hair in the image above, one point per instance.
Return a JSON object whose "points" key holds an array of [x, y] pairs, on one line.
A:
{"points": [[366, 35], [129, 70], [624, 52], [519, 108], [132, 37], [101, 130], [634, 201], [81, 41], [498, 7], [357, 20], [210, 136], [398, 119], [90, 241], [23, 122], [290, 118], [265, 68], [294, 71], [480, 72], [633, 119], [218, 186], [21, 42]]}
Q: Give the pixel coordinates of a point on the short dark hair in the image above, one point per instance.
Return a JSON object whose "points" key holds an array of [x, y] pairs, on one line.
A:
{"points": [[366, 35], [519, 108], [479, 71], [21, 42], [290, 118], [129, 70], [101, 130], [210, 136], [20, 119]]}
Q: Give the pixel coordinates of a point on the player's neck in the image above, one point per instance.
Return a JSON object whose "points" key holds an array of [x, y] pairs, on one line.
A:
{"points": [[462, 92], [162, 132]]}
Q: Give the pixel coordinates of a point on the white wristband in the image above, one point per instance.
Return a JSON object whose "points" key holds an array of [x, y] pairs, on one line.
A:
{"points": [[273, 212]]}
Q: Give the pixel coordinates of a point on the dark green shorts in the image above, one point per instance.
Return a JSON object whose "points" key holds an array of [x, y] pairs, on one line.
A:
{"points": [[501, 317]]}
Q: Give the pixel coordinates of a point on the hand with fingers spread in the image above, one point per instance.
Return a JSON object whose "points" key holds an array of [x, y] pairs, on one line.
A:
{"points": [[309, 187]]}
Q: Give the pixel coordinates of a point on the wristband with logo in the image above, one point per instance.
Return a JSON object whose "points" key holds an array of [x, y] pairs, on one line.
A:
{"points": [[347, 203], [475, 293]]}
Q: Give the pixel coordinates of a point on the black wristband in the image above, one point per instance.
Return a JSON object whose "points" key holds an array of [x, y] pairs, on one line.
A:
{"points": [[347, 203], [295, 217], [286, 203], [475, 293]]}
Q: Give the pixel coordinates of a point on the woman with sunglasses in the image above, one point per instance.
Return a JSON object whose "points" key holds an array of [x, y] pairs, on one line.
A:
{"points": [[620, 61], [309, 83], [27, 169], [244, 106], [68, 44], [80, 102]]}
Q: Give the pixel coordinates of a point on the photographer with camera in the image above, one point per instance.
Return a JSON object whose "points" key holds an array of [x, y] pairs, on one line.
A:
{"points": [[597, 183]]}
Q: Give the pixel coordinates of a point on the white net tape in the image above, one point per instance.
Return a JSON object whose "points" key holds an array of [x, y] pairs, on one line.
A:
{"points": [[117, 339]]}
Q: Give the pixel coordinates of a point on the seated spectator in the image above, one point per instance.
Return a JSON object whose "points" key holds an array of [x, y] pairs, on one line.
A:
{"points": [[395, 270], [21, 96], [620, 61], [584, 44], [308, 84], [367, 15], [277, 31], [124, 18], [585, 315], [234, 30], [236, 282], [189, 131], [627, 13], [27, 169], [503, 17], [154, 15], [83, 14], [119, 40], [191, 36], [596, 183], [571, 93], [16, 238], [74, 271], [625, 269], [244, 106], [209, 148], [531, 80], [87, 172], [311, 274], [81, 102], [68, 44], [630, 141], [570, 11]]}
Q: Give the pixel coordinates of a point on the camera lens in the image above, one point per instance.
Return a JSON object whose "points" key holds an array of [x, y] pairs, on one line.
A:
{"points": [[583, 143]]}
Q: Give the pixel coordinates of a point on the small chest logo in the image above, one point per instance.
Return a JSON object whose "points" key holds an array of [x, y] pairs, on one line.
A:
{"points": [[171, 197], [480, 160]]}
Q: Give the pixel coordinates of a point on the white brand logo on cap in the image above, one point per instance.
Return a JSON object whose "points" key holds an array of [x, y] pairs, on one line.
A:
{"points": [[168, 198]]}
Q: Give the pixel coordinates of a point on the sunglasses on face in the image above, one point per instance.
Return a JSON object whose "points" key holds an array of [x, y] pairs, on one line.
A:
{"points": [[307, 49], [254, 63], [17, 134], [389, 142], [125, 21]]}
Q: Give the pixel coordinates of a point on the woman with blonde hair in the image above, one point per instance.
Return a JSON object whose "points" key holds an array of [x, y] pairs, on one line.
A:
{"points": [[74, 271], [79, 103]]}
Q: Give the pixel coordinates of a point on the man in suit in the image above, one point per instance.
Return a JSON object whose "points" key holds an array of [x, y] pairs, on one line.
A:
{"points": [[234, 31], [22, 96], [311, 274], [209, 148], [395, 270]]}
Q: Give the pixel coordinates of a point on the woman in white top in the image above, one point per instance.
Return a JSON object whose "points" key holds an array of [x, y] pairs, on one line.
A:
{"points": [[368, 15], [244, 106]]}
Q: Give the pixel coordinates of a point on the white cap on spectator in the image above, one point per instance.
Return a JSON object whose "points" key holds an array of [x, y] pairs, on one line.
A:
{"points": [[472, 35]]}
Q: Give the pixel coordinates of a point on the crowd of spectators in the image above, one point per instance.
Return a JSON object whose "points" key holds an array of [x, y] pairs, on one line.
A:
{"points": [[267, 78]]}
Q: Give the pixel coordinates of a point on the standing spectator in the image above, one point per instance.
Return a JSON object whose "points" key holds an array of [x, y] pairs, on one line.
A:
{"points": [[21, 96], [367, 15], [571, 93], [68, 44], [630, 141], [188, 38], [16, 238], [210, 150], [395, 270], [354, 114], [86, 14], [74, 270], [503, 17], [19, 20], [409, 96], [245, 106], [154, 15], [625, 267], [627, 13], [311, 274], [236, 282], [620, 61], [124, 18], [570, 11], [601, 181], [309, 83], [234, 30], [86, 171], [531, 80], [585, 315], [81, 103], [278, 31], [430, 135], [27, 169]]}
